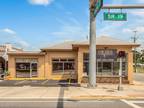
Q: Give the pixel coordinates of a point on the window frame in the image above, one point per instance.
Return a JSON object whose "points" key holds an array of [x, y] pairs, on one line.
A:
{"points": [[30, 62], [63, 61], [99, 60]]}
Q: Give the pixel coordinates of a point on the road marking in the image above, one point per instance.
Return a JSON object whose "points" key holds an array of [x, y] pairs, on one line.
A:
{"points": [[44, 82], [137, 101], [130, 104], [20, 82]]}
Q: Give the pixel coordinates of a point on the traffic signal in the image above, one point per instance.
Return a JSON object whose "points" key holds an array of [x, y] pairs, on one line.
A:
{"points": [[121, 54]]}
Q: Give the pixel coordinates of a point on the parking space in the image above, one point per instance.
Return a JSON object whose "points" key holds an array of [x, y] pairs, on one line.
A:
{"points": [[43, 83]]}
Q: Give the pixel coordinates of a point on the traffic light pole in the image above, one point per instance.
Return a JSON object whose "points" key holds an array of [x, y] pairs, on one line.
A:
{"points": [[92, 47], [92, 51]]}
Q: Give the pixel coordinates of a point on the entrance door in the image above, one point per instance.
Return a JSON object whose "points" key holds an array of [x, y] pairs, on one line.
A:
{"points": [[26, 68], [33, 70]]}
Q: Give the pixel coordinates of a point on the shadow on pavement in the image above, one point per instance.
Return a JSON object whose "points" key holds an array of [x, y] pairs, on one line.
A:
{"points": [[60, 103]]}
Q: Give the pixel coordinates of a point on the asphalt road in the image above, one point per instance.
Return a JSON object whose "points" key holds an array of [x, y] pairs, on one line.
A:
{"points": [[71, 104]]}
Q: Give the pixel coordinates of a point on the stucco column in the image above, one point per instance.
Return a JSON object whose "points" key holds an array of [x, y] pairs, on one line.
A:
{"points": [[130, 67], [41, 67], [80, 66], [11, 67], [47, 67]]}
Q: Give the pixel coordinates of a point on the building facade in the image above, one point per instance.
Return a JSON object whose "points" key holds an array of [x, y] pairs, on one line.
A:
{"points": [[3, 55], [70, 60]]}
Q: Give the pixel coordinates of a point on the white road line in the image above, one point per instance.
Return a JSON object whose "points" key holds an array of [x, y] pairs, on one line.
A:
{"points": [[137, 101], [130, 104], [44, 82], [20, 82]]}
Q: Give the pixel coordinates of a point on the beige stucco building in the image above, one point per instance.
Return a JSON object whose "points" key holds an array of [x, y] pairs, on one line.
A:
{"points": [[71, 59]]}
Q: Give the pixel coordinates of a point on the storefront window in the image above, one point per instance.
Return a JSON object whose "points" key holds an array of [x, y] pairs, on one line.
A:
{"points": [[107, 63], [63, 65], [124, 68], [26, 68]]}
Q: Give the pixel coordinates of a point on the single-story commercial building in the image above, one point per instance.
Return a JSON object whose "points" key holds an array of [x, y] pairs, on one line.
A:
{"points": [[70, 59]]}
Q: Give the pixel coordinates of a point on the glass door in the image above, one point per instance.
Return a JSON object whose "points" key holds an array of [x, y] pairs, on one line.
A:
{"points": [[26, 68], [33, 70]]}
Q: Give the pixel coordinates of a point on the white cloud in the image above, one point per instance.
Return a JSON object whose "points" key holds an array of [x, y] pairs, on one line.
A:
{"points": [[70, 32], [40, 2], [139, 13], [70, 29], [7, 30], [139, 29], [23, 43], [111, 28], [117, 1], [74, 21], [140, 1], [127, 30], [10, 36]]}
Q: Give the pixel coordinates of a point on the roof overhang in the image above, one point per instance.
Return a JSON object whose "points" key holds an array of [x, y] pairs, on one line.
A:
{"points": [[56, 50], [27, 53], [130, 45]]}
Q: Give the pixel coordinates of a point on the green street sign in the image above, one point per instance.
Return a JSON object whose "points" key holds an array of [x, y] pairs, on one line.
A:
{"points": [[115, 16], [98, 6]]}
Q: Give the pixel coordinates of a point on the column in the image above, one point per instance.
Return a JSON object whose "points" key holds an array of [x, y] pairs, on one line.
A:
{"points": [[80, 66], [130, 67], [12, 67]]}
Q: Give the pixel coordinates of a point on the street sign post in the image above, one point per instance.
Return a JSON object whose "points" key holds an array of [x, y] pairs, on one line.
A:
{"points": [[97, 7], [115, 16]]}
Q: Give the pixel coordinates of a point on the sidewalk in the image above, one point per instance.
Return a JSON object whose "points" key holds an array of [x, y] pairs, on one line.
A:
{"points": [[102, 91]]}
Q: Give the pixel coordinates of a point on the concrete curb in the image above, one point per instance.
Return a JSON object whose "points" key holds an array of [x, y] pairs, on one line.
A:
{"points": [[76, 98]]}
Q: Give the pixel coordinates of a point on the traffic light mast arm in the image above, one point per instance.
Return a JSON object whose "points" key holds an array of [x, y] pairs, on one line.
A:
{"points": [[123, 7]]}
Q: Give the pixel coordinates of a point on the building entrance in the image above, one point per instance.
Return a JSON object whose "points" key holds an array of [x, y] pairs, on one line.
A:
{"points": [[26, 68]]}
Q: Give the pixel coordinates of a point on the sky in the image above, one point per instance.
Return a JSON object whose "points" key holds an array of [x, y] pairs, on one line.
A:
{"points": [[34, 24]]}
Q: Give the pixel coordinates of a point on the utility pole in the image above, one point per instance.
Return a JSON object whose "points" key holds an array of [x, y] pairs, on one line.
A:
{"points": [[92, 49], [134, 41], [95, 7]]}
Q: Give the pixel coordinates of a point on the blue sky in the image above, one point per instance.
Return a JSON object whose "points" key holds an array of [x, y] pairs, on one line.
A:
{"points": [[33, 24]]}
